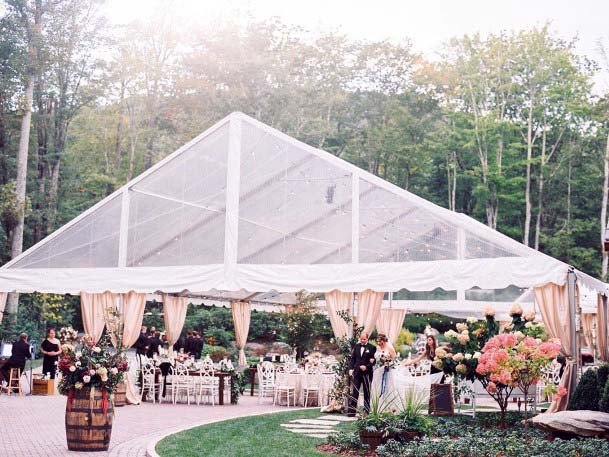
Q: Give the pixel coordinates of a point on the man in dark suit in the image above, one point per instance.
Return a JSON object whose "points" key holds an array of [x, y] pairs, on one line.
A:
{"points": [[20, 353], [188, 343], [154, 344], [360, 370], [196, 345], [141, 345]]}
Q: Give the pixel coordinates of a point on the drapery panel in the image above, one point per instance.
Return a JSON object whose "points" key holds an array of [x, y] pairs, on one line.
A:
{"points": [[3, 296], [602, 343], [336, 302], [174, 314], [390, 322], [92, 309], [241, 320], [368, 308], [588, 330], [553, 303]]}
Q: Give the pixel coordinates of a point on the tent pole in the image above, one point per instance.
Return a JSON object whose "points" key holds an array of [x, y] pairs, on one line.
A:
{"points": [[574, 317]]}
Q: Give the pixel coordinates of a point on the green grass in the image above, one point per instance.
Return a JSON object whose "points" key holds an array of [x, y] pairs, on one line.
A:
{"points": [[255, 436]]}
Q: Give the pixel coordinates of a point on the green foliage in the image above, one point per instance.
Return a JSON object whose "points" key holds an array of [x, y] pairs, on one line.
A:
{"points": [[602, 374], [586, 395], [416, 322], [404, 338], [298, 320], [604, 401]]}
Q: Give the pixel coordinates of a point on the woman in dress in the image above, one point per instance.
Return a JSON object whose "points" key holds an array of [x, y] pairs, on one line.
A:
{"points": [[50, 348], [429, 353], [382, 379]]}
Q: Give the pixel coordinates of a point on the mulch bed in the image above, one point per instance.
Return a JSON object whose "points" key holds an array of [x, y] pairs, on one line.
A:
{"points": [[335, 450]]}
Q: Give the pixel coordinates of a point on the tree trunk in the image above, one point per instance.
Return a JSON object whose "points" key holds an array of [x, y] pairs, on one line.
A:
{"points": [[22, 155], [540, 190], [605, 256], [527, 192]]}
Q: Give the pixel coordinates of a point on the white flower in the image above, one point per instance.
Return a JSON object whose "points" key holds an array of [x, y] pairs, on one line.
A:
{"points": [[114, 370], [468, 356], [489, 311], [529, 325], [516, 310], [476, 355], [86, 379], [458, 357], [463, 338], [465, 332], [78, 363], [472, 320], [92, 372], [72, 368], [461, 326], [96, 349], [104, 378], [519, 335], [102, 371], [78, 385], [440, 353], [530, 316], [450, 334]]}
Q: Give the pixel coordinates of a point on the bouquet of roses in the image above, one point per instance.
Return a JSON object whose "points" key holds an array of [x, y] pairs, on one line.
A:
{"points": [[67, 335], [387, 362], [94, 366]]}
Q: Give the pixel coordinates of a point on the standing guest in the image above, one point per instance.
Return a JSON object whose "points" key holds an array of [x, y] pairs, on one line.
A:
{"points": [[197, 345], [141, 345], [50, 348], [428, 353], [188, 343], [154, 344], [21, 352], [179, 344], [152, 332], [362, 360]]}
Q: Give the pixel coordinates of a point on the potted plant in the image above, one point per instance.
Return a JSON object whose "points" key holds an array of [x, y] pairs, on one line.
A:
{"points": [[89, 379], [376, 427], [410, 423]]}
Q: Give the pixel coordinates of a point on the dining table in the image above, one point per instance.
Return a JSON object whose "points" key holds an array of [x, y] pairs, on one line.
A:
{"points": [[164, 370]]}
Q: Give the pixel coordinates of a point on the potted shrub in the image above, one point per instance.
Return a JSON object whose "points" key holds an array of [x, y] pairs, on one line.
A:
{"points": [[376, 427], [89, 379]]}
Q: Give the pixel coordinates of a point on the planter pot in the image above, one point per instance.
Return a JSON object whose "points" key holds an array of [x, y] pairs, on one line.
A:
{"points": [[88, 427], [120, 396], [372, 439], [407, 435]]}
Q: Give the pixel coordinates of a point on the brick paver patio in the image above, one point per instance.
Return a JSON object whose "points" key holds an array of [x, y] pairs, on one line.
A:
{"points": [[34, 426]]}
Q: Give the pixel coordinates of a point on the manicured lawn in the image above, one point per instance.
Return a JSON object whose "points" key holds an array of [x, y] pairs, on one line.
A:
{"points": [[258, 436]]}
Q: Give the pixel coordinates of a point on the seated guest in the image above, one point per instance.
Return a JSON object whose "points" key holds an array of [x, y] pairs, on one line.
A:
{"points": [[154, 344], [21, 352], [50, 348], [197, 345]]}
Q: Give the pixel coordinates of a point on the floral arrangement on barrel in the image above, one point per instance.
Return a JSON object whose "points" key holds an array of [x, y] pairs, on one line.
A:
{"points": [[93, 367], [500, 361], [67, 335]]}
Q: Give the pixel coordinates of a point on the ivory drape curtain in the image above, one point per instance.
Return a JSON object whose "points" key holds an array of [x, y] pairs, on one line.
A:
{"points": [[368, 308], [553, 303], [588, 329], [602, 343], [174, 314], [129, 319], [390, 323], [92, 310], [3, 296], [241, 320], [337, 301]]}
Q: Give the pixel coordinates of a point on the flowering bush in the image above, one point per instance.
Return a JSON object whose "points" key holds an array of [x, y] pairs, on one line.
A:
{"points": [[500, 361], [92, 366]]}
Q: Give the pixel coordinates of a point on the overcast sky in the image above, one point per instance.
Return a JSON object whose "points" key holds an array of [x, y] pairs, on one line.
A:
{"points": [[428, 23]]}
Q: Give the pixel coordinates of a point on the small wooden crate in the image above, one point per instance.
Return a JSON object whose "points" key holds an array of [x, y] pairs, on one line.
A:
{"points": [[43, 386]]}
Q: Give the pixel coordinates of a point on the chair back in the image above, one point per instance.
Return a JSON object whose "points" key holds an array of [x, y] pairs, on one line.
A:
{"points": [[266, 372], [206, 374]]}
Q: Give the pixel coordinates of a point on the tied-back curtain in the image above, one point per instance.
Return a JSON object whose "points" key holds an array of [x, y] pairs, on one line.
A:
{"points": [[337, 301], [553, 303], [3, 296], [390, 323], [368, 308], [601, 329], [174, 314], [588, 327], [241, 320], [92, 308]]}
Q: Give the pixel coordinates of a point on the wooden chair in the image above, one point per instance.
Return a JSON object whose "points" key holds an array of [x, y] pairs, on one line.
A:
{"points": [[14, 382]]}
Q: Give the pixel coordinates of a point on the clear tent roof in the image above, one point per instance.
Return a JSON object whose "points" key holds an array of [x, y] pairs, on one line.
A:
{"points": [[244, 206]]}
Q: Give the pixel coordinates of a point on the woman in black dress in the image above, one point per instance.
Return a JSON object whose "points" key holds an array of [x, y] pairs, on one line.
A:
{"points": [[51, 348]]}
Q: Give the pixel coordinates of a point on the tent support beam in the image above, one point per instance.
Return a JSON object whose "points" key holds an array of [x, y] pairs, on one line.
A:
{"points": [[573, 316]]}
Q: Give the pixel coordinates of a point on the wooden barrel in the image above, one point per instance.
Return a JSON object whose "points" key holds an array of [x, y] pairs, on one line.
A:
{"points": [[120, 395], [87, 427]]}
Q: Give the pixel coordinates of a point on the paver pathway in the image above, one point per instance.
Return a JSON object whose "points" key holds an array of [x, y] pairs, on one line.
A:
{"points": [[34, 426], [320, 427]]}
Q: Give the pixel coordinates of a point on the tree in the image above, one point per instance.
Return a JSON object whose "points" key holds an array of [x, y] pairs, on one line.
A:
{"points": [[298, 320]]}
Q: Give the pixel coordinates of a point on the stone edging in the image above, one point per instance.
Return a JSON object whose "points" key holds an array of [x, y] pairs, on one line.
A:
{"points": [[151, 445]]}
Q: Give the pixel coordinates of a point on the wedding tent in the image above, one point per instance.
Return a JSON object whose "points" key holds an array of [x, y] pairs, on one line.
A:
{"points": [[243, 207], [247, 214]]}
